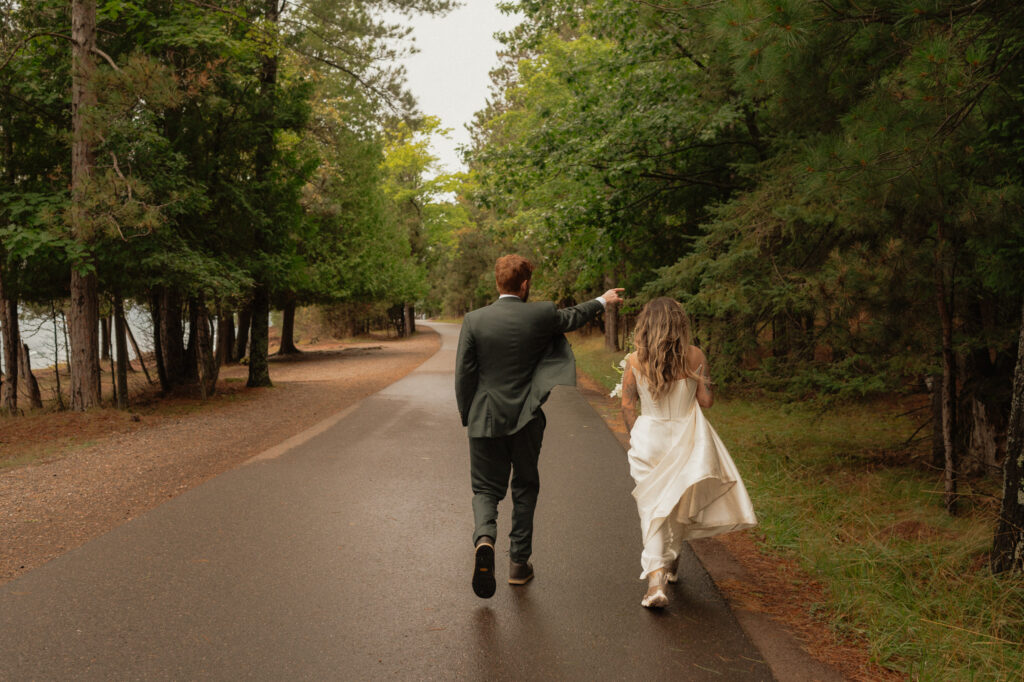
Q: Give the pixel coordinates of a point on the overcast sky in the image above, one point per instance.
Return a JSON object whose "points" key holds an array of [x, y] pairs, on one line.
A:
{"points": [[449, 74]]}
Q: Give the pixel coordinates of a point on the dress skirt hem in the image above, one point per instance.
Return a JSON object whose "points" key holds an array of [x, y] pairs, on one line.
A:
{"points": [[685, 478]]}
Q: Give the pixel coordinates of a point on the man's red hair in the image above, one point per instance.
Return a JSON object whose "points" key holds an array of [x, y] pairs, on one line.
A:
{"points": [[510, 272]]}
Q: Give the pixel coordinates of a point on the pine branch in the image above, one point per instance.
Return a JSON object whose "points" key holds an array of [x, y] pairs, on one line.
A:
{"points": [[676, 10], [689, 180], [385, 97], [43, 34]]}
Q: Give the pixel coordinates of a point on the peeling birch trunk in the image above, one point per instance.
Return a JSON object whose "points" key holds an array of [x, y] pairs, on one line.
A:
{"points": [[1008, 544]]}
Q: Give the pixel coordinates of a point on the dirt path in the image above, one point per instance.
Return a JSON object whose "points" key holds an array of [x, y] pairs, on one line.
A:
{"points": [[105, 467]]}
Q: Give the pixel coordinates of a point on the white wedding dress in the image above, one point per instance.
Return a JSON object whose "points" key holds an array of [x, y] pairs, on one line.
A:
{"points": [[687, 485]]}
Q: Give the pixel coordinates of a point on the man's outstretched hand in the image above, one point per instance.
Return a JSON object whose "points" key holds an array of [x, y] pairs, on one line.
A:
{"points": [[612, 296]]}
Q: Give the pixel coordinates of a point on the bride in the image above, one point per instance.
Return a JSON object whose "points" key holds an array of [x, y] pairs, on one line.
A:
{"points": [[687, 486]]}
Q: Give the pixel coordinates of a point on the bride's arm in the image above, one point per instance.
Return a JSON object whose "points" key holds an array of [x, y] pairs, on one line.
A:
{"points": [[630, 396], [704, 396]]}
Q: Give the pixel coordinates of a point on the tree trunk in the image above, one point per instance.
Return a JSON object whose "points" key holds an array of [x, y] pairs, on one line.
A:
{"points": [[611, 328], [259, 369], [983, 402], [396, 319], [225, 333], [67, 342], [244, 323], [611, 321], [942, 299], [934, 384], [229, 337], [288, 330], [1008, 545], [84, 313], [120, 337], [135, 349], [30, 384], [11, 344], [113, 375], [83, 324], [172, 341], [56, 357], [263, 161], [980, 437], [411, 326], [192, 350], [158, 332], [407, 324], [207, 366], [105, 338]]}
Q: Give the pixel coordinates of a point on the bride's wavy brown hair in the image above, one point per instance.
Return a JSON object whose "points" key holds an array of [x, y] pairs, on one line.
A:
{"points": [[662, 338]]}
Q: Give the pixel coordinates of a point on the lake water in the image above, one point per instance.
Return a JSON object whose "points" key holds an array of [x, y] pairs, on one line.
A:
{"points": [[45, 347]]}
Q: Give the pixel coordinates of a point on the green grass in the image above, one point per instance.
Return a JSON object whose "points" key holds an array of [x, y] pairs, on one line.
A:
{"points": [[40, 452], [898, 570], [20, 460], [593, 360]]}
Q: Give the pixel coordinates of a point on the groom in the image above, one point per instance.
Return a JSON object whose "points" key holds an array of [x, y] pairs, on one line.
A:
{"points": [[511, 354]]}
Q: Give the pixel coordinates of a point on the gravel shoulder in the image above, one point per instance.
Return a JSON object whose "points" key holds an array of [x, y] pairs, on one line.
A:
{"points": [[128, 463]]}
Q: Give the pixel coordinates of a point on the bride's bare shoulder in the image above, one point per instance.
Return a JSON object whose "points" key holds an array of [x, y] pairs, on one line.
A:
{"points": [[695, 356]]}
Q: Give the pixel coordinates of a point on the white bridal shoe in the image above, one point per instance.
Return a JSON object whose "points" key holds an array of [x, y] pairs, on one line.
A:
{"points": [[656, 597]]}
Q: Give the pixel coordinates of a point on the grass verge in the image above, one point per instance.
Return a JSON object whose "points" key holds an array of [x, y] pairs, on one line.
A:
{"points": [[898, 572], [593, 360]]}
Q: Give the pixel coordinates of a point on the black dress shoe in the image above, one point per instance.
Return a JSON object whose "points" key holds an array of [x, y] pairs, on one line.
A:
{"points": [[483, 571], [519, 574]]}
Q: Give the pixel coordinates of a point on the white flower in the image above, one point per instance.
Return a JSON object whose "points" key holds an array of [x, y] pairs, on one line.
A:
{"points": [[617, 391]]}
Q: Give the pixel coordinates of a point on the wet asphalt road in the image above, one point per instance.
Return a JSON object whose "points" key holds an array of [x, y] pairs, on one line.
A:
{"points": [[349, 558]]}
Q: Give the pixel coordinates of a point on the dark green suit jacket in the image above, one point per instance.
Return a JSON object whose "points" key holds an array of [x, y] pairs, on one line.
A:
{"points": [[511, 354]]}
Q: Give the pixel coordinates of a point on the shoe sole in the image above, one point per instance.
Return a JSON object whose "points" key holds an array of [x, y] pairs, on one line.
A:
{"points": [[520, 581], [483, 572]]}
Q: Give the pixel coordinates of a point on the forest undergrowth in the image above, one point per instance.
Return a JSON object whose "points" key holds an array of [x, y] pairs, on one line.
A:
{"points": [[839, 490]]}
